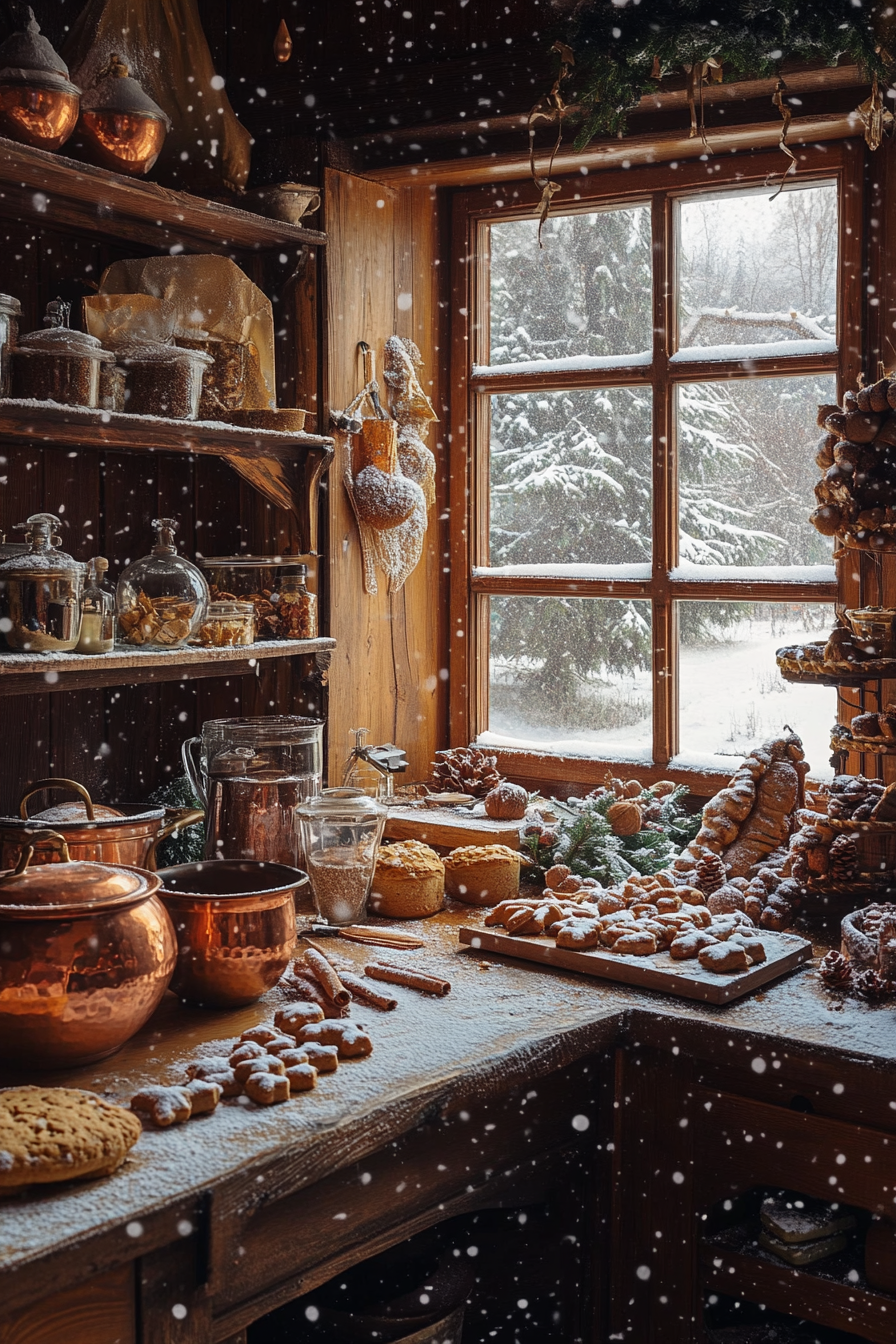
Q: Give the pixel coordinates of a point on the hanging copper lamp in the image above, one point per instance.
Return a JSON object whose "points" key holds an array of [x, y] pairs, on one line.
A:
{"points": [[121, 127], [38, 101]]}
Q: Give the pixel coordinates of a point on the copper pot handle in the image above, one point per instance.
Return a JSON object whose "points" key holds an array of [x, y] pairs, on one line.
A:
{"points": [[40, 784], [30, 841], [186, 816]]}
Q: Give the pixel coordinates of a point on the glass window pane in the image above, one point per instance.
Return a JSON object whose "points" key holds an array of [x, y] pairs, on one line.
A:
{"points": [[746, 455], [570, 477], [753, 270], [732, 696], [586, 292], [571, 674]]}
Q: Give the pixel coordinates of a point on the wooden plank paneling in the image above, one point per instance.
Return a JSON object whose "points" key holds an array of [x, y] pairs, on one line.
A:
{"points": [[380, 281], [100, 1311]]}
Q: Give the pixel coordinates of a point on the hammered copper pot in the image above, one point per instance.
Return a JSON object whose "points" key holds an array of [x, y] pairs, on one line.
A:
{"points": [[128, 834], [86, 953], [235, 922]]}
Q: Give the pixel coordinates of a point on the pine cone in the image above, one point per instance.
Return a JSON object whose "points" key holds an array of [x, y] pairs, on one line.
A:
{"points": [[871, 987], [711, 874], [465, 770], [844, 857], [835, 970]]}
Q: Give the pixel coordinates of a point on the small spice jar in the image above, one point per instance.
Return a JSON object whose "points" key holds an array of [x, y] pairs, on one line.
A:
{"points": [[58, 364], [227, 625], [97, 611], [250, 578], [163, 380], [341, 830], [296, 607], [10, 312]]}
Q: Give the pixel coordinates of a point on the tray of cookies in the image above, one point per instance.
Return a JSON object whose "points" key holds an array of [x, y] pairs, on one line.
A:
{"points": [[649, 933]]}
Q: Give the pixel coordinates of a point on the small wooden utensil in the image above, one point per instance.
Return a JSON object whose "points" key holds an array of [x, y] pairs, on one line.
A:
{"points": [[357, 933]]}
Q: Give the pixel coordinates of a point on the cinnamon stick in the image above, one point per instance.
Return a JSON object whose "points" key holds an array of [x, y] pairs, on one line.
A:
{"points": [[400, 975], [303, 983], [365, 994], [326, 977]]}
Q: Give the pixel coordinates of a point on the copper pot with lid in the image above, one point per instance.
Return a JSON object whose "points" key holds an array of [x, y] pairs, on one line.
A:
{"points": [[86, 953], [128, 834]]}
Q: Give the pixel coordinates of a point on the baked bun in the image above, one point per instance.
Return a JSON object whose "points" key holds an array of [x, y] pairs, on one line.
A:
{"points": [[482, 874], [409, 881]]}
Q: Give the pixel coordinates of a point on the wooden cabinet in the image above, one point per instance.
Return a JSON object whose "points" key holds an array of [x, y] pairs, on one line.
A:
{"points": [[108, 475]]}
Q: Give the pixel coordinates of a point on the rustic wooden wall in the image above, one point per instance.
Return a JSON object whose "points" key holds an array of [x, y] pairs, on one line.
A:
{"points": [[383, 278]]}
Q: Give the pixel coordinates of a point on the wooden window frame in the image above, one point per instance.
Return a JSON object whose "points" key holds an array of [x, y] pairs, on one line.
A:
{"points": [[471, 584]]}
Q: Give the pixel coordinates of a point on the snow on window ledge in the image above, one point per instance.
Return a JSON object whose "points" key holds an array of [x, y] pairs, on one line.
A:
{"points": [[688, 572], [609, 573], [588, 363], [701, 354], [619, 751]]}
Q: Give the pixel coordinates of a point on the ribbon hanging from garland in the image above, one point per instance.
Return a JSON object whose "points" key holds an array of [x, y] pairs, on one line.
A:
{"points": [[700, 73], [875, 117], [550, 108], [783, 107]]}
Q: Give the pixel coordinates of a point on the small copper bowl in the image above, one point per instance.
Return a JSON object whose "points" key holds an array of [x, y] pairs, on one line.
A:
{"points": [[235, 922]]}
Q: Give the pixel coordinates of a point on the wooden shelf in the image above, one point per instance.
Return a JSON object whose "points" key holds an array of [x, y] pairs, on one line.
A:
{"points": [[284, 468], [22, 673], [735, 1265], [63, 193]]}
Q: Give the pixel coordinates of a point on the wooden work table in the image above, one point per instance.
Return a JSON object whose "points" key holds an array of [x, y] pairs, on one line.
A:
{"points": [[236, 1213]]}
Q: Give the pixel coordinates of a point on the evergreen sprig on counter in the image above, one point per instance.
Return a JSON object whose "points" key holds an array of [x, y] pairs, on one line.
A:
{"points": [[622, 50], [583, 837]]}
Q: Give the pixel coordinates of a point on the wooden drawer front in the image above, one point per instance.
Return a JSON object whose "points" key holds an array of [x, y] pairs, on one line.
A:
{"points": [[99, 1311], [746, 1143], [424, 1170]]}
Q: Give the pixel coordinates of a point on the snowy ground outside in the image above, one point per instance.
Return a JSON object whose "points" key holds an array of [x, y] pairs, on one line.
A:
{"points": [[732, 698]]}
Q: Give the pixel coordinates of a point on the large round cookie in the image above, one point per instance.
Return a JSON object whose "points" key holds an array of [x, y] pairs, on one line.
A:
{"points": [[60, 1134]]}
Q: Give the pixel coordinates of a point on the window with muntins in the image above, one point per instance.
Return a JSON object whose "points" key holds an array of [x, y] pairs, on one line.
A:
{"points": [[641, 436]]}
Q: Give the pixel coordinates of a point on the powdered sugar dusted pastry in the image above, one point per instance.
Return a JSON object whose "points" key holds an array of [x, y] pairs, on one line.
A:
{"points": [[163, 1106], [301, 1078], [351, 1041], [724, 957], [266, 1089], [266, 1064], [291, 1020], [325, 1058], [204, 1096], [579, 934]]}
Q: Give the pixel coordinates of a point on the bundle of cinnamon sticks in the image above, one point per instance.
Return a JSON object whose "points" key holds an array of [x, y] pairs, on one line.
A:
{"points": [[315, 978]]}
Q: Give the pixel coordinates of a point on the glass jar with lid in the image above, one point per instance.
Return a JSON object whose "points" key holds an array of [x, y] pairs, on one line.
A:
{"points": [[296, 606], [227, 625], [58, 364], [251, 578], [97, 611], [40, 592], [341, 832], [10, 312], [162, 599]]}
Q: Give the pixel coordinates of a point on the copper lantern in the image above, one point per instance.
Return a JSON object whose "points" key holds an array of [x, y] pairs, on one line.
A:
{"points": [[38, 102], [121, 127]]}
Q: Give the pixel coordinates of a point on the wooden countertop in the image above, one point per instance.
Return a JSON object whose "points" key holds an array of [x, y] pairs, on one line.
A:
{"points": [[503, 1025]]}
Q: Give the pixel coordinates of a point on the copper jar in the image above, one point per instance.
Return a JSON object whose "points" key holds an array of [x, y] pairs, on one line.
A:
{"points": [[86, 953], [235, 922], [127, 834]]}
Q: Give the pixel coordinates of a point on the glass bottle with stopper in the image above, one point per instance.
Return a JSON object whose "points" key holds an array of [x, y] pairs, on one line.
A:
{"points": [[163, 598], [97, 611], [371, 768]]}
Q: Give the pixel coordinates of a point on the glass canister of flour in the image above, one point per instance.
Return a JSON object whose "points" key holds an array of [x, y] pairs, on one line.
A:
{"points": [[341, 831]]}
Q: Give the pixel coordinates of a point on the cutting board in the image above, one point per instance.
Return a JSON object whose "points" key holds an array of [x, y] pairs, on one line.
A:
{"points": [[447, 828], [685, 979]]}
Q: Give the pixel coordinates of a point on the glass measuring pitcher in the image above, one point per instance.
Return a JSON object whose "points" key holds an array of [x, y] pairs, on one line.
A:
{"points": [[251, 775]]}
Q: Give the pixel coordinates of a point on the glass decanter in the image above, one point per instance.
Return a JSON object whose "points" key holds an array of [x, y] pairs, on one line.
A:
{"points": [[97, 611], [162, 599]]}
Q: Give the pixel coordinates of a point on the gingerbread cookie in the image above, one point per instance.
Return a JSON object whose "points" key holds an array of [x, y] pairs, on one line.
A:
{"points": [[164, 1106], [204, 1095], [301, 1078], [350, 1040], [578, 934], [247, 1050], [60, 1134], [724, 958], [216, 1070], [752, 945], [297, 1055], [290, 1020], [325, 1058], [266, 1064], [266, 1089], [637, 943], [261, 1035], [278, 1044]]}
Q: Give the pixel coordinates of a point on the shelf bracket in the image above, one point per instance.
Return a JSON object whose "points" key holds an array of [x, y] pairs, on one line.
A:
{"points": [[289, 482]]}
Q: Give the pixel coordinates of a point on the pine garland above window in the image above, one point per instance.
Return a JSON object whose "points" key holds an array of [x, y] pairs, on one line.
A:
{"points": [[624, 47]]}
